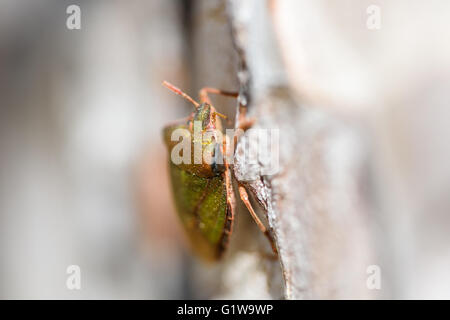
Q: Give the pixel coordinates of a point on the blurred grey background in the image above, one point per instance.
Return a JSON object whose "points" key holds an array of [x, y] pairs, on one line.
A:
{"points": [[80, 144]]}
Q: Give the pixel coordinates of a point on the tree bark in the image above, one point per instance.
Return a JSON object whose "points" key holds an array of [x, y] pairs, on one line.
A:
{"points": [[315, 195], [361, 113]]}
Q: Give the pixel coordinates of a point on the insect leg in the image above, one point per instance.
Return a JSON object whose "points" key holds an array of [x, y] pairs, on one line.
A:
{"points": [[230, 193], [203, 93], [244, 197], [245, 122]]}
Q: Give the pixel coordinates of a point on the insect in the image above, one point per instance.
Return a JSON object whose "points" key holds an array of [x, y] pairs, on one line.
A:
{"points": [[203, 191]]}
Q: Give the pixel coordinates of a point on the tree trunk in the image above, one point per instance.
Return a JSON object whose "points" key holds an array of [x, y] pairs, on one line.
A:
{"points": [[353, 197]]}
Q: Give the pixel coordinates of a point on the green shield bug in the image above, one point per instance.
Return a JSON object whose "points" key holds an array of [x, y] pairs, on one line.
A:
{"points": [[202, 182]]}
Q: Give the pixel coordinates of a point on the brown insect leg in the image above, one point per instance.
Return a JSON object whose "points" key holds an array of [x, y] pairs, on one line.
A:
{"points": [[203, 93], [230, 197], [245, 122], [244, 197]]}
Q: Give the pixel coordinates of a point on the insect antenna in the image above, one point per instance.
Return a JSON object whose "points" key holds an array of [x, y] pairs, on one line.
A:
{"points": [[220, 115], [181, 93]]}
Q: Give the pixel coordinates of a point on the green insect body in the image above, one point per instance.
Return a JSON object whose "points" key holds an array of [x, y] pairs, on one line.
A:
{"points": [[202, 200]]}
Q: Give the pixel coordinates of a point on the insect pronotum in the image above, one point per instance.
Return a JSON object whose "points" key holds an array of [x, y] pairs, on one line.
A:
{"points": [[203, 192]]}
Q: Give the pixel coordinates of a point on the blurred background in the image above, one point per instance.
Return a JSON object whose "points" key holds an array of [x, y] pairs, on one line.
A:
{"points": [[83, 170], [83, 167]]}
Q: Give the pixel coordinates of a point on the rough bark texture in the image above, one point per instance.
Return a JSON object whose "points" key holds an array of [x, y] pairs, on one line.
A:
{"points": [[316, 194], [361, 114]]}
